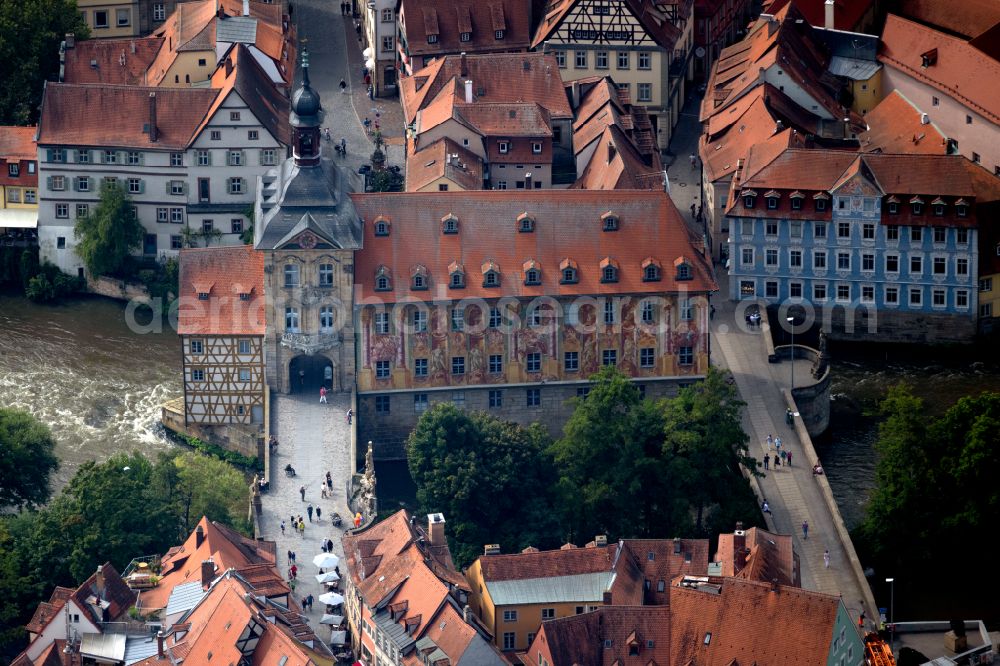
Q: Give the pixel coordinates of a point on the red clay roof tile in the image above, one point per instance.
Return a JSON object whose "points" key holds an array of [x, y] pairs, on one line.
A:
{"points": [[226, 273]]}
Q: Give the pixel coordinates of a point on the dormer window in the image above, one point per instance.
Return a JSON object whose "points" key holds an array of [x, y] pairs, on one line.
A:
{"points": [[381, 226], [532, 277], [683, 268], [917, 206], [449, 224], [432, 39], [456, 276], [202, 295], [503, 147], [609, 270], [569, 272], [498, 34], [418, 278], [466, 36], [749, 199], [491, 274], [610, 222], [244, 296], [961, 208], [893, 208], [383, 279], [772, 198], [796, 198], [651, 270], [525, 224], [938, 205]]}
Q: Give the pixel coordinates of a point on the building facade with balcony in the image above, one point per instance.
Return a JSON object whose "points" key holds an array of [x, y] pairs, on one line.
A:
{"points": [[644, 45], [18, 179], [874, 245], [188, 157], [378, 29]]}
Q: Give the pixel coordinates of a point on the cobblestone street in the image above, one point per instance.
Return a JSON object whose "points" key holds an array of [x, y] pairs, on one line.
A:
{"points": [[313, 438]]}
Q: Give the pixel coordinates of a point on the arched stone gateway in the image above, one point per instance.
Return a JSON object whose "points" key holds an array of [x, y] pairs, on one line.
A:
{"points": [[306, 374]]}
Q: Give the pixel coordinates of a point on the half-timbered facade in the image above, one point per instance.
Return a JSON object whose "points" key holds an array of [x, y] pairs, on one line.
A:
{"points": [[508, 302], [644, 45], [221, 326]]}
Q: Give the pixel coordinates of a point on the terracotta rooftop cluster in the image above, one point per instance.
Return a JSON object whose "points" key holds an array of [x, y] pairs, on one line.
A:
{"points": [[217, 596]]}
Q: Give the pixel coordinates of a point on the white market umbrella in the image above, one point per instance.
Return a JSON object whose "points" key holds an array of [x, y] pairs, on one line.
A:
{"points": [[370, 64], [331, 599], [328, 577], [368, 53], [326, 560], [335, 620]]}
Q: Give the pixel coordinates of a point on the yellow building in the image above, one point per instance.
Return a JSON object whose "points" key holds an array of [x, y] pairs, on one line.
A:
{"points": [[513, 594], [111, 18], [644, 46], [18, 179]]}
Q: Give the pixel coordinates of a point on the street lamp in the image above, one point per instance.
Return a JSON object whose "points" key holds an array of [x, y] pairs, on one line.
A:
{"points": [[892, 612], [791, 323]]}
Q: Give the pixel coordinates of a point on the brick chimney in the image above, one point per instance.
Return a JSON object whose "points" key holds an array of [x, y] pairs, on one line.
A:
{"points": [[739, 547], [612, 151], [207, 572], [99, 579], [70, 40], [828, 9], [467, 614], [464, 66], [199, 536], [435, 529], [677, 546], [159, 644], [153, 134]]}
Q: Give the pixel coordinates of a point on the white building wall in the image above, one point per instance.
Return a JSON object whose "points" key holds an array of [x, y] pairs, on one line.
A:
{"points": [[71, 617]]}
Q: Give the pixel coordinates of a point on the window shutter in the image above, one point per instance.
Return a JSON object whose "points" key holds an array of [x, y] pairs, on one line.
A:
{"points": [[122, 157], [209, 157], [142, 187], [48, 155], [168, 186], [48, 182], [73, 182], [185, 187], [243, 158]]}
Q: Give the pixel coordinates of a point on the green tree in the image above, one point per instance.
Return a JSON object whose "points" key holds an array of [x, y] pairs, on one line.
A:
{"points": [[27, 459], [613, 477], [489, 477], [107, 238], [704, 433], [30, 32], [201, 485]]}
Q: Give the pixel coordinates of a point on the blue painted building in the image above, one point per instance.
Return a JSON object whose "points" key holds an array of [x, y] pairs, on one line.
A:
{"points": [[874, 244]]}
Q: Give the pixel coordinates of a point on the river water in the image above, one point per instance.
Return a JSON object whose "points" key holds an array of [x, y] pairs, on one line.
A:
{"points": [[79, 368]]}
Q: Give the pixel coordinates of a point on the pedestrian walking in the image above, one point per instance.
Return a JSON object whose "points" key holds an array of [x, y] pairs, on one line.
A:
{"points": [[329, 481], [692, 210], [694, 160], [777, 443], [291, 585], [805, 529], [322, 545], [322, 491], [322, 394], [309, 510], [770, 442], [777, 461], [295, 571], [302, 491], [329, 549], [357, 520], [766, 508], [826, 559], [292, 520], [789, 459], [282, 528], [291, 557], [302, 528], [783, 455], [343, 86], [350, 417], [319, 512], [767, 461], [343, 146], [309, 600]]}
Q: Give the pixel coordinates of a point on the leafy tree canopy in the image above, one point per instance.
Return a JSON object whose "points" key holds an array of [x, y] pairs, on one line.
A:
{"points": [[107, 237], [489, 478], [30, 32], [935, 478], [27, 459]]}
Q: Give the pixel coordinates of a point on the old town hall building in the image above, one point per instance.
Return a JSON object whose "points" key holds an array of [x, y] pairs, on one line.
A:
{"points": [[499, 301]]}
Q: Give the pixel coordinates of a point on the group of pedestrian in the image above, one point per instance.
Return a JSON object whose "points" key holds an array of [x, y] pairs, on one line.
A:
{"points": [[345, 9], [307, 602], [327, 545], [298, 524]]}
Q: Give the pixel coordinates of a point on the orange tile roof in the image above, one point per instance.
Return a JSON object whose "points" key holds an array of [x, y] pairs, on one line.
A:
{"points": [[617, 165], [969, 18], [786, 41], [226, 548], [547, 563], [895, 127], [223, 273], [670, 558], [18, 143], [581, 639], [48, 609], [115, 116], [439, 160], [847, 14], [758, 555], [648, 12], [506, 78], [447, 19], [111, 61], [190, 27], [240, 71], [566, 225], [750, 623], [959, 69], [528, 119]]}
